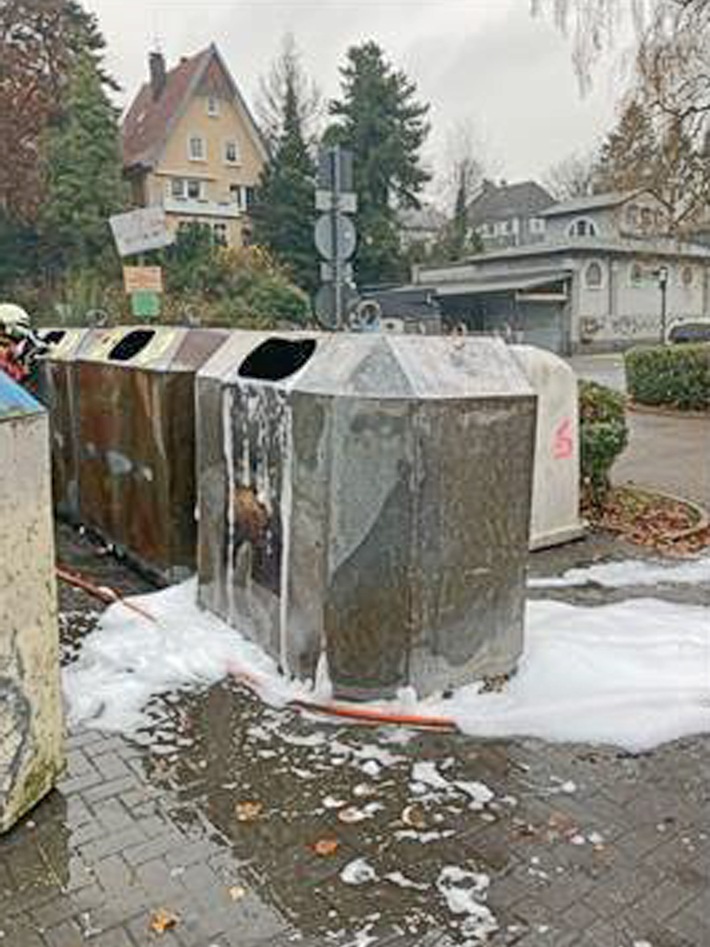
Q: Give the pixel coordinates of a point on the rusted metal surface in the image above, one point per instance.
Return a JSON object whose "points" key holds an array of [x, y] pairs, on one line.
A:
{"points": [[56, 391], [371, 509], [131, 422]]}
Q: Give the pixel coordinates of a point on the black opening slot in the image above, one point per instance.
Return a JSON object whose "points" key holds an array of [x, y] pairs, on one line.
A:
{"points": [[276, 359]]}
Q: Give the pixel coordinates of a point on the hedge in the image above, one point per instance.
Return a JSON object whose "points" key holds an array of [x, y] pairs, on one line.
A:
{"points": [[603, 435], [677, 375]]}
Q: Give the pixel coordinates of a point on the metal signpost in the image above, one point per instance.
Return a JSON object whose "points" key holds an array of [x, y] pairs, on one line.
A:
{"points": [[135, 233], [335, 235]]}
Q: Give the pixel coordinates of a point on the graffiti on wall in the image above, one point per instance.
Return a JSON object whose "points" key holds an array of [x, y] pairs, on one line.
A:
{"points": [[630, 326]]}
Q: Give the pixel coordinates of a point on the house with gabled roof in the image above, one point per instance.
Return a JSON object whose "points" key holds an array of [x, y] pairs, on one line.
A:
{"points": [[509, 215], [191, 145], [605, 275]]}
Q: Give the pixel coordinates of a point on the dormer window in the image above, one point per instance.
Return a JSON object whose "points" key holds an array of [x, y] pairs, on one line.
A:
{"points": [[231, 152], [212, 106], [196, 148], [632, 216], [582, 227]]}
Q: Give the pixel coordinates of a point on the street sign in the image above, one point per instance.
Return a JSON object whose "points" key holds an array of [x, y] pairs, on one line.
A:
{"points": [[335, 236], [328, 274], [140, 230], [138, 279], [346, 202], [145, 305], [326, 307], [335, 169]]}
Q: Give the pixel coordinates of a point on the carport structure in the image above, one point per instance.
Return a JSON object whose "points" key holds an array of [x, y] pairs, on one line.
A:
{"points": [[532, 307]]}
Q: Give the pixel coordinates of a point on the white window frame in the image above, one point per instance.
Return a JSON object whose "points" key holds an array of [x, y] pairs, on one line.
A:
{"points": [[594, 287], [537, 225], [175, 185], [236, 195], [590, 226], [203, 148], [237, 156], [212, 106], [200, 189], [636, 283]]}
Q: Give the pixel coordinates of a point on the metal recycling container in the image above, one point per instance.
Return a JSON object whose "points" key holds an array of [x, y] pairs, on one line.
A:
{"points": [[364, 504], [31, 727], [56, 391], [135, 427], [555, 515]]}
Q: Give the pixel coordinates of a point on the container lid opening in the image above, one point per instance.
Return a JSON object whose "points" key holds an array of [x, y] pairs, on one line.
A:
{"points": [[130, 345], [276, 359]]}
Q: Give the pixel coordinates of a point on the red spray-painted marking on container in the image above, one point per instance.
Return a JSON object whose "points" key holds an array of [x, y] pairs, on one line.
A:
{"points": [[563, 444]]}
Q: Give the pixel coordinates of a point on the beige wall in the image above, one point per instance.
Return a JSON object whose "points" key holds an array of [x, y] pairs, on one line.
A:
{"points": [[216, 174]]}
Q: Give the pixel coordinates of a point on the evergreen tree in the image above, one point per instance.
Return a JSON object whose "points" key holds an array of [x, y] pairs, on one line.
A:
{"points": [[379, 119], [83, 171], [40, 43], [284, 211], [627, 156]]}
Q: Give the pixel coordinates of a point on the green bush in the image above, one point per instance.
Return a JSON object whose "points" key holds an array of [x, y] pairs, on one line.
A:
{"points": [[676, 375], [603, 435]]}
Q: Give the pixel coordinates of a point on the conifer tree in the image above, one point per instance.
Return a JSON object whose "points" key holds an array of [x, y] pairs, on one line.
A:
{"points": [[380, 120], [83, 171], [284, 212]]}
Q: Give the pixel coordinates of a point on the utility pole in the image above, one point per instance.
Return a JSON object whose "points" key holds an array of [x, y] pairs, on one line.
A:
{"points": [[662, 274], [335, 235]]}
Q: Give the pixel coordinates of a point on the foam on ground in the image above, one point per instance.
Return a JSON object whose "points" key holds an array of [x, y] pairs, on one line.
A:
{"points": [[633, 572], [632, 674]]}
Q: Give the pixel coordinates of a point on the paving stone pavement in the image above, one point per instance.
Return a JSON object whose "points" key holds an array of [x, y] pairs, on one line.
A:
{"points": [[584, 846]]}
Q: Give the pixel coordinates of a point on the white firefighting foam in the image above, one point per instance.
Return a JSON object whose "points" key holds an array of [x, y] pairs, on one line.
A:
{"points": [[632, 674]]}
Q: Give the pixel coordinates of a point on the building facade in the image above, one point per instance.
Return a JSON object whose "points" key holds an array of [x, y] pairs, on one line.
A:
{"points": [[604, 278], [509, 215], [191, 146]]}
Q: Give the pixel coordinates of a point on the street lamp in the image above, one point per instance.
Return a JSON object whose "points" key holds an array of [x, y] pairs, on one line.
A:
{"points": [[662, 276]]}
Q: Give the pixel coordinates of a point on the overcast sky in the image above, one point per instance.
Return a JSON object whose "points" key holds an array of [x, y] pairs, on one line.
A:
{"points": [[483, 61]]}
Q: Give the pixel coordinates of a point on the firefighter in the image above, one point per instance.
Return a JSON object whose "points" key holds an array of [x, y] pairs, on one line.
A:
{"points": [[19, 346]]}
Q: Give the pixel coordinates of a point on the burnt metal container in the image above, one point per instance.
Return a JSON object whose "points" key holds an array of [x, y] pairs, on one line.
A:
{"points": [[133, 420], [364, 500], [56, 392]]}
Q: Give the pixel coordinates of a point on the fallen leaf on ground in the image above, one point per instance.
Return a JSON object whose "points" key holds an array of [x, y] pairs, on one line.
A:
{"points": [[236, 892], [163, 920], [248, 811], [414, 815], [326, 846]]}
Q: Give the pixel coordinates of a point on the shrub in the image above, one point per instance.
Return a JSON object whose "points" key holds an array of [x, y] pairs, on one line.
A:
{"points": [[676, 375], [603, 435]]}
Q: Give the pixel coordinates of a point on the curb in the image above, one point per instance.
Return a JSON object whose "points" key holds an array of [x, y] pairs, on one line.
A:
{"points": [[662, 412], [702, 514]]}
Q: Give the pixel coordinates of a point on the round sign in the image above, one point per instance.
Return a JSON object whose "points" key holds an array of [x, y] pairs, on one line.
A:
{"points": [[335, 236]]}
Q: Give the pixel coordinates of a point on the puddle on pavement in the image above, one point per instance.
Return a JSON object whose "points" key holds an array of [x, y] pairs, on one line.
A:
{"points": [[310, 782]]}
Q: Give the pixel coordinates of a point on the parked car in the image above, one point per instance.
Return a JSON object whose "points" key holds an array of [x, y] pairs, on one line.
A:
{"points": [[690, 332]]}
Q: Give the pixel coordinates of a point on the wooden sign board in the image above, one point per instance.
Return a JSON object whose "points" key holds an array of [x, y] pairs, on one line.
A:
{"points": [[143, 279]]}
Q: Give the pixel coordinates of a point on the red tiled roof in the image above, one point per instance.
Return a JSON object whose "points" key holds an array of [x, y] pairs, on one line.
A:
{"points": [[146, 123]]}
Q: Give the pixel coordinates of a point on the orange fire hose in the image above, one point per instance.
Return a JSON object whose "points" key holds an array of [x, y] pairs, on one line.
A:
{"points": [[374, 716], [356, 714], [103, 593]]}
